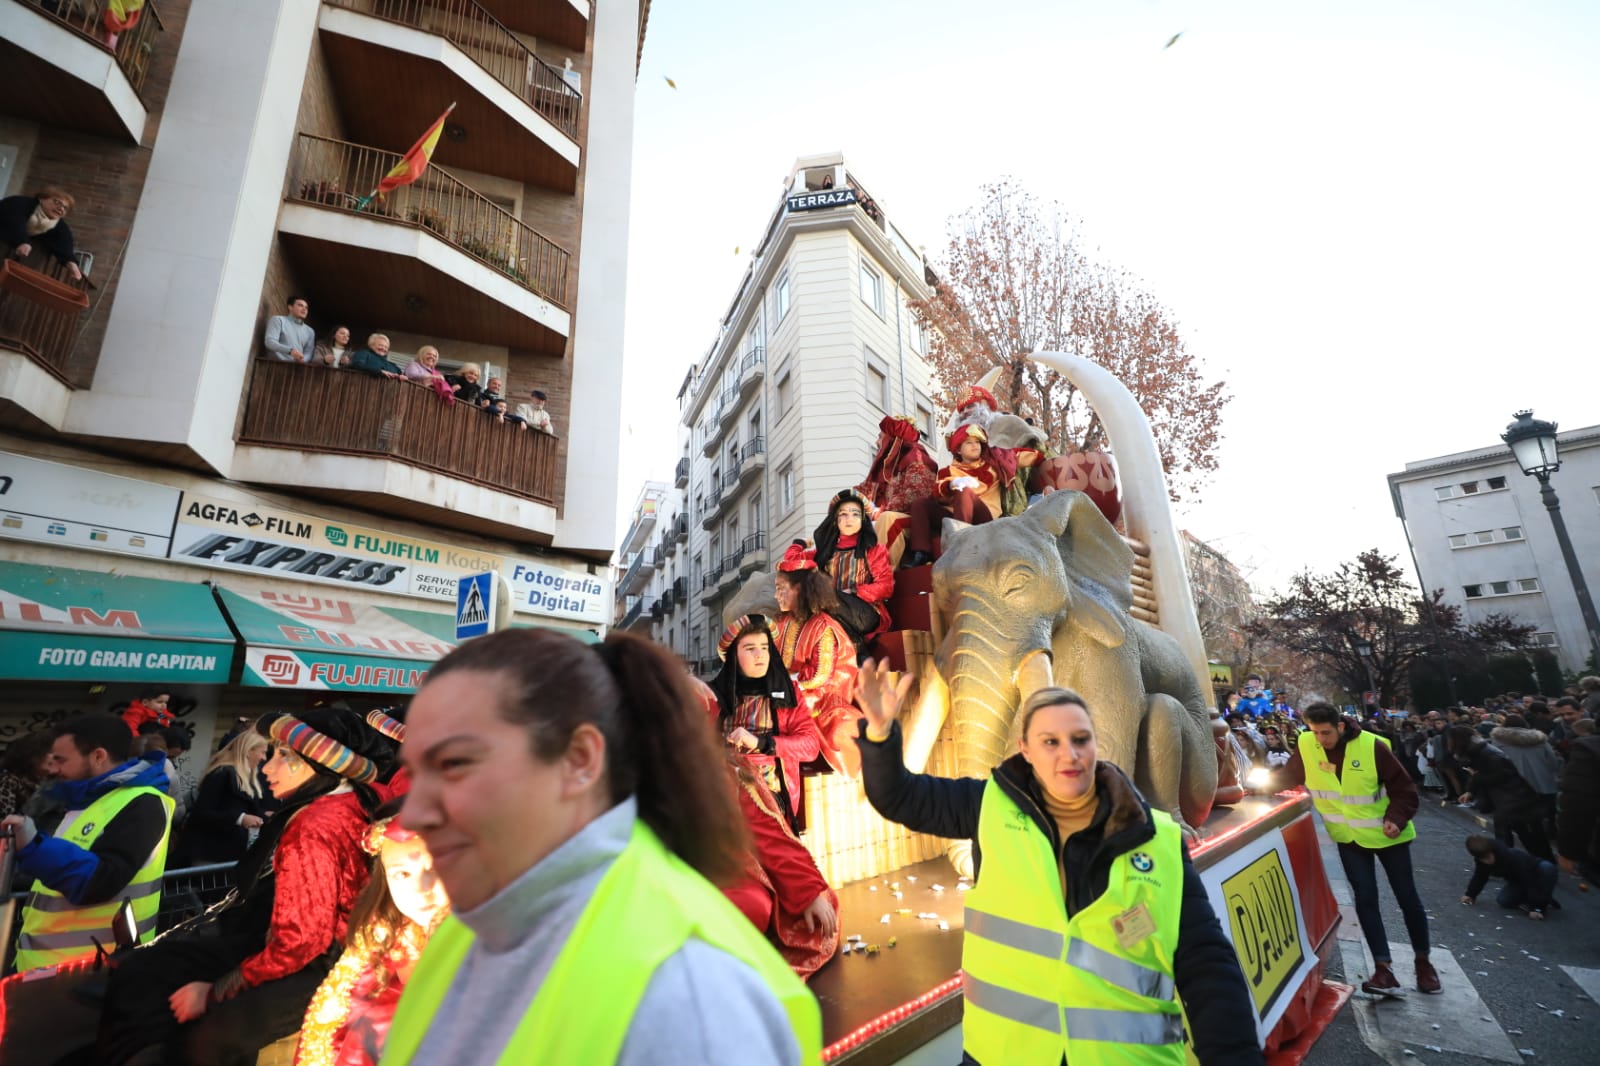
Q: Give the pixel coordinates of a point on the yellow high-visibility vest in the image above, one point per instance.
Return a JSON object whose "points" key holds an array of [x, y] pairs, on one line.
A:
{"points": [[646, 907], [1098, 987], [1352, 803], [56, 930]]}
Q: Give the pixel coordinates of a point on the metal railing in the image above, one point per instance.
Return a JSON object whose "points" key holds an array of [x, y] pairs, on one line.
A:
{"points": [[37, 313], [348, 412], [754, 446], [338, 174], [680, 474], [133, 48], [486, 41]]}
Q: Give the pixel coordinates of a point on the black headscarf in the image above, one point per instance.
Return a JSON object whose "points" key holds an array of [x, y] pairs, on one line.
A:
{"points": [[826, 537], [731, 686]]}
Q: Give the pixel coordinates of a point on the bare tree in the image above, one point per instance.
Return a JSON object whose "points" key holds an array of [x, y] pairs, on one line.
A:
{"points": [[1016, 280]]}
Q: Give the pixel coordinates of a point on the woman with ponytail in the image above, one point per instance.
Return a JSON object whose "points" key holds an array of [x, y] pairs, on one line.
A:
{"points": [[238, 977], [573, 801]]}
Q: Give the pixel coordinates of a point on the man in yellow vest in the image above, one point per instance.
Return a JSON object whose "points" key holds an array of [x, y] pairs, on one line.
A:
{"points": [[110, 846], [1367, 800]]}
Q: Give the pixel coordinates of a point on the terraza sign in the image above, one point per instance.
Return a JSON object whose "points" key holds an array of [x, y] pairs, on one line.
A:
{"points": [[811, 201]]}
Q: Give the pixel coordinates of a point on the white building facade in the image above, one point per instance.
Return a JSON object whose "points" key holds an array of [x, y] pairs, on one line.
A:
{"points": [[782, 413], [1479, 530]]}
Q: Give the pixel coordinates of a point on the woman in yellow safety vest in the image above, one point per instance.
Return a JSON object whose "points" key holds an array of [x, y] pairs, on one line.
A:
{"points": [[575, 803], [1087, 921]]}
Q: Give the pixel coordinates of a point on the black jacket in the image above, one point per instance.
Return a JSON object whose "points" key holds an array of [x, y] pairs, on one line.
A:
{"points": [[213, 832], [1513, 864], [1206, 967], [1578, 821], [14, 214], [1496, 777]]}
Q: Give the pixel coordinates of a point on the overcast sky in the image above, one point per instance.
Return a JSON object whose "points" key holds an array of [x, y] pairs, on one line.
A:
{"points": [[1377, 221]]}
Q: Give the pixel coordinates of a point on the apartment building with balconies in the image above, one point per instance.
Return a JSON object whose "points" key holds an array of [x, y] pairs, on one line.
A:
{"points": [[782, 412], [222, 158]]}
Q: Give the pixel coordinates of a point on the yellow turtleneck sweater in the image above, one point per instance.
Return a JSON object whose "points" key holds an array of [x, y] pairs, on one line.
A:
{"points": [[1070, 816]]}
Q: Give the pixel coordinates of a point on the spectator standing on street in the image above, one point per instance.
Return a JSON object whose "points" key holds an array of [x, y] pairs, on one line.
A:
{"points": [[1512, 802], [1590, 688], [1537, 763], [289, 338], [23, 768], [228, 809], [1367, 801], [1530, 882], [1578, 819]]}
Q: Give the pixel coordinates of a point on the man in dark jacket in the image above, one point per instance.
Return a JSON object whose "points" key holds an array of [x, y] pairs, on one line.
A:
{"points": [[1205, 965], [1513, 804], [1578, 821]]}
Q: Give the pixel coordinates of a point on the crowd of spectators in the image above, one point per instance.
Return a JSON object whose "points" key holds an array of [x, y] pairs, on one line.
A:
{"points": [[290, 338]]}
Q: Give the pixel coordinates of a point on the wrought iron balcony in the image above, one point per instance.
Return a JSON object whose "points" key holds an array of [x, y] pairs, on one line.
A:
{"points": [[40, 313], [680, 476], [348, 412]]}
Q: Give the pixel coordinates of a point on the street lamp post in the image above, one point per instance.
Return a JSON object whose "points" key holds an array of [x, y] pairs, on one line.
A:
{"points": [[1533, 443], [1364, 652]]}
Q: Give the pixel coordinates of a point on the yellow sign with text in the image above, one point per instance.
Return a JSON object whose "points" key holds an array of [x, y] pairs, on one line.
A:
{"points": [[1264, 920]]}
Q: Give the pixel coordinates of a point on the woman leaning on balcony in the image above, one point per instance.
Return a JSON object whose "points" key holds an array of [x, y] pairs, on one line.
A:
{"points": [[38, 222]]}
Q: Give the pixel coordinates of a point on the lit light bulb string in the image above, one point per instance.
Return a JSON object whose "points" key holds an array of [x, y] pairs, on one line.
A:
{"points": [[890, 1019]]}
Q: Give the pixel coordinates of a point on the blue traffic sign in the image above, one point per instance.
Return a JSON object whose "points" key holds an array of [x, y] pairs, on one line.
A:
{"points": [[474, 605]]}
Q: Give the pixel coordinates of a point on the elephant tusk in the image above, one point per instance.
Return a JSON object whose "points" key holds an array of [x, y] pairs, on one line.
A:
{"points": [[1034, 672]]}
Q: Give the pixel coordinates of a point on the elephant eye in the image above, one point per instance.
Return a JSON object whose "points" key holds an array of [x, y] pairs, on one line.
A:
{"points": [[1017, 579]]}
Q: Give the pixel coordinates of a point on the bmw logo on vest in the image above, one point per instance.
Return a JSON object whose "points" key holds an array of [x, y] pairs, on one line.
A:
{"points": [[1355, 764], [88, 827], [1141, 862]]}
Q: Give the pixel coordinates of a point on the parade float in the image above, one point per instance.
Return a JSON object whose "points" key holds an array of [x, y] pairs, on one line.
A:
{"points": [[1084, 588]]}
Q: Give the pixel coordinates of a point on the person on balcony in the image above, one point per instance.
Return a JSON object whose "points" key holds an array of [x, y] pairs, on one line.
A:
{"points": [[758, 714], [336, 350], [848, 552], [465, 382], [493, 391], [289, 338], [38, 222], [374, 358], [497, 411], [534, 414], [424, 370]]}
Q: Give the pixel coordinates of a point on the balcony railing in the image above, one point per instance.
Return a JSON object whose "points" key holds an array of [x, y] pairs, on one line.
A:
{"points": [[133, 48], [680, 476], [635, 609], [41, 311], [485, 40], [348, 412], [338, 174]]}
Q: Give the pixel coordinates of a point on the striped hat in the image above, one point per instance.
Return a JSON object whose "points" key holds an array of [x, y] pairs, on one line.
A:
{"points": [[318, 747]]}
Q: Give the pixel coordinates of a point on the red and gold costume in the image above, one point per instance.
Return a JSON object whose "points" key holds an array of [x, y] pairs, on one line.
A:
{"points": [[871, 579], [781, 881], [787, 733], [819, 654]]}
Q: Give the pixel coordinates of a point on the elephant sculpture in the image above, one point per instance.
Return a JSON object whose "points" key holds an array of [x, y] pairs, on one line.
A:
{"points": [[1042, 599]]}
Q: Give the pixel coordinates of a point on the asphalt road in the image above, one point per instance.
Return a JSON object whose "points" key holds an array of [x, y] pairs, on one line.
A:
{"points": [[1515, 990]]}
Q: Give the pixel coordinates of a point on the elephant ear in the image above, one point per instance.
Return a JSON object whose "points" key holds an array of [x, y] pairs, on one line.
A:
{"points": [[1099, 564], [953, 528]]}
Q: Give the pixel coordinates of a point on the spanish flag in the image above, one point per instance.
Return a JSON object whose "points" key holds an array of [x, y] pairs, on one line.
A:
{"points": [[412, 164]]}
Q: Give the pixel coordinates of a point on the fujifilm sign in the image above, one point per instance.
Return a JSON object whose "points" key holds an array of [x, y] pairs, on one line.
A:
{"points": [[811, 201]]}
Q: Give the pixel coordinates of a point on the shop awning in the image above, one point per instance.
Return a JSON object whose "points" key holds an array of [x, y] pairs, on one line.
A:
{"points": [[58, 624], [304, 638]]}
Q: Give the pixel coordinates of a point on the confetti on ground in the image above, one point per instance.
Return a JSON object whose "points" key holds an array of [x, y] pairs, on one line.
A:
{"points": [[1432, 1047], [1513, 1032], [1437, 1026], [1541, 1006], [1534, 958], [893, 941], [944, 927], [1528, 1051], [1483, 973], [884, 920], [937, 888], [848, 947], [1408, 1051], [963, 887], [1558, 1014], [872, 888], [898, 895], [856, 938], [912, 878], [927, 914]]}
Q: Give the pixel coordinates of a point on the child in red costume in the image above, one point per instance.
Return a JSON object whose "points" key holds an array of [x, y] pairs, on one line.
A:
{"points": [[149, 707], [979, 485], [758, 713], [848, 552], [819, 654]]}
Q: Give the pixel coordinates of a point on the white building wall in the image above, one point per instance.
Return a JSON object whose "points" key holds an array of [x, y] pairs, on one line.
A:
{"points": [[1431, 522]]}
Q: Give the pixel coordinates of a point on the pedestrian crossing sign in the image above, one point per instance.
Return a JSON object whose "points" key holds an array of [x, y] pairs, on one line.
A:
{"points": [[474, 605]]}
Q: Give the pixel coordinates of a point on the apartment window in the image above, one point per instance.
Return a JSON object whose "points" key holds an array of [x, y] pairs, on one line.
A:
{"points": [[1484, 536], [919, 336], [755, 513], [1496, 483], [1458, 540], [1512, 532], [1544, 640], [786, 488], [699, 509], [1444, 492], [734, 540], [925, 418], [699, 572], [1596, 491], [716, 477], [871, 288], [785, 394], [877, 381], [1528, 584], [1473, 591], [733, 454], [755, 425], [1500, 588], [716, 548], [1469, 488], [780, 297]]}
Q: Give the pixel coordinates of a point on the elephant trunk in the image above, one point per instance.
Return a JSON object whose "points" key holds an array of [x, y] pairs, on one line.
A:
{"points": [[989, 671]]}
